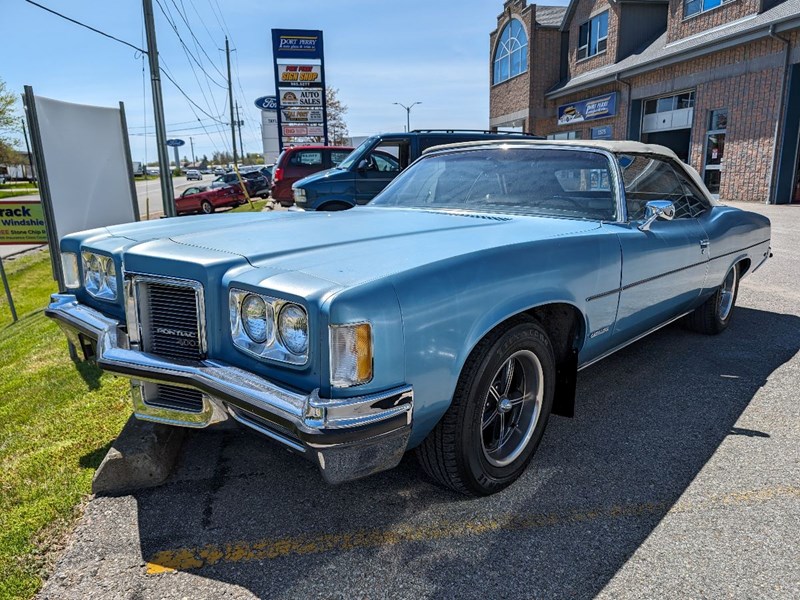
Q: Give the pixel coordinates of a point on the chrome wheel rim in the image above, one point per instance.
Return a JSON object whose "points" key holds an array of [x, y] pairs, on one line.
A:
{"points": [[511, 408], [206, 208], [726, 295]]}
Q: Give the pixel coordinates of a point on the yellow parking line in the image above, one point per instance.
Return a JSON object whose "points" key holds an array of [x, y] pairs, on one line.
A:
{"points": [[184, 559]]}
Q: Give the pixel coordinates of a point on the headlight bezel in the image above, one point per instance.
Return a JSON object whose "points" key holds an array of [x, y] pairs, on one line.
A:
{"points": [[273, 348], [101, 281]]}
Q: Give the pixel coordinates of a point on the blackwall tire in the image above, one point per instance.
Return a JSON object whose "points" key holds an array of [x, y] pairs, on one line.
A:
{"points": [[714, 315], [469, 450], [206, 207]]}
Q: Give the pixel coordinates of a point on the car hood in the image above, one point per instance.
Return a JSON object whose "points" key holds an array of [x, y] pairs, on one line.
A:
{"points": [[351, 247], [319, 176]]}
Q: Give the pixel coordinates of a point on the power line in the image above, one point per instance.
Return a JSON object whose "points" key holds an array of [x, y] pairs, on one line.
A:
{"points": [[89, 27], [185, 95], [197, 43], [185, 47]]}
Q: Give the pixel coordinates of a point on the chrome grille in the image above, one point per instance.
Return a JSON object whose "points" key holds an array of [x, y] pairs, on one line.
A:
{"points": [[171, 317], [176, 398]]}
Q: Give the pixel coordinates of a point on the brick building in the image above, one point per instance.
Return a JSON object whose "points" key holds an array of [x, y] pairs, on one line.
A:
{"points": [[718, 81]]}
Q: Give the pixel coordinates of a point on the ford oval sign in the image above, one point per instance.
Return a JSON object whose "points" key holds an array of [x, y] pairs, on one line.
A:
{"points": [[267, 103], [175, 142]]}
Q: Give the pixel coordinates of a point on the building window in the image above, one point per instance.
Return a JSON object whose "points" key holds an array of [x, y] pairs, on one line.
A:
{"points": [[693, 7], [511, 55], [565, 135], [593, 36], [715, 149]]}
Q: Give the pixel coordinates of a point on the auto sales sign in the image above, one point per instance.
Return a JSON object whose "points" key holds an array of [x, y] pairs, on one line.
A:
{"points": [[300, 82], [599, 107]]}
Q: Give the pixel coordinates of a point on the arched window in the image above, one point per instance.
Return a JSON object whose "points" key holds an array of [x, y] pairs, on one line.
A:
{"points": [[511, 54]]}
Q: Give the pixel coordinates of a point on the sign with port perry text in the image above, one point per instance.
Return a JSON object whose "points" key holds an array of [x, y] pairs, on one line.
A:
{"points": [[22, 223], [599, 107], [299, 75], [300, 82]]}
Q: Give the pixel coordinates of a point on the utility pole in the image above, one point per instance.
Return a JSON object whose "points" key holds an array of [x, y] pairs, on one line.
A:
{"points": [[191, 143], [239, 124], [167, 193], [230, 101]]}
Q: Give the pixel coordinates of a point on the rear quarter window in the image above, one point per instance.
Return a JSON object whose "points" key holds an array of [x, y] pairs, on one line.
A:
{"points": [[306, 158]]}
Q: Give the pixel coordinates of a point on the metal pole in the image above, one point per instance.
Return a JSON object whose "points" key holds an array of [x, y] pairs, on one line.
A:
{"points": [[8, 291], [230, 100], [408, 112], [167, 193], [27, 146], [191, 143], [239, 124]]}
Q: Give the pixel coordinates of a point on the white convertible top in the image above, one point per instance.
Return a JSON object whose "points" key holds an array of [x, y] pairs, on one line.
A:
{"points": [[609, 145], [616, 146]]}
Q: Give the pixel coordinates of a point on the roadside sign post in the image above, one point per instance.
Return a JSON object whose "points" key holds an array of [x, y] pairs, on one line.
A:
{"points": [[21, 222], [8, 291]]}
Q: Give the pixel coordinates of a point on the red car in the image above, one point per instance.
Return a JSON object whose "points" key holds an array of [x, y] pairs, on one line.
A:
{"points": [[204, 200], [300, 161]]}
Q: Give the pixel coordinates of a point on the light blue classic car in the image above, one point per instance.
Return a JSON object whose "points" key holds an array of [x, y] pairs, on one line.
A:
{"points": [[451, 315]]}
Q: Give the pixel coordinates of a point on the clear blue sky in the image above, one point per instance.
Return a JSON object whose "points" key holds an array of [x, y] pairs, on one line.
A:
{"points": [[376, 53]]}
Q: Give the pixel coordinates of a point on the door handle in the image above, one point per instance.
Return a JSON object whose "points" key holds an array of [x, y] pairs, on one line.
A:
{"points": [[703, 246]]}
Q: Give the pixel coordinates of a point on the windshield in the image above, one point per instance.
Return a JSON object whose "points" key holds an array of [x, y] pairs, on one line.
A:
{"points": [[532, 181], [355, 155]]}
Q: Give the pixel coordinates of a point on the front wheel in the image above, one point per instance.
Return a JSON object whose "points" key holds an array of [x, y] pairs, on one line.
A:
{"points": [[714, 315], [499, 412], [206, 207]]}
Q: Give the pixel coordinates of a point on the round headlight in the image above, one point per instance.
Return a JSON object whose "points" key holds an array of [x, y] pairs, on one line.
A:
{"points": [[293, 328], [257, 318], [110, 276], [93, 275]]}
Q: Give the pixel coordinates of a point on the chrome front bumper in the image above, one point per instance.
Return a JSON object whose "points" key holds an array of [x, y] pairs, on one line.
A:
{"points": [[347, 438]]}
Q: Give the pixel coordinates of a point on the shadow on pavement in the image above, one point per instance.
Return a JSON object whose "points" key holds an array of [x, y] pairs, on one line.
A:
{"points": [[648, 419]]}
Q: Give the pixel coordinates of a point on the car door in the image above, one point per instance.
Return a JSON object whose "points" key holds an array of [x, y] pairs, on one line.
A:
{"points": [[664, 268], [382, 164]]}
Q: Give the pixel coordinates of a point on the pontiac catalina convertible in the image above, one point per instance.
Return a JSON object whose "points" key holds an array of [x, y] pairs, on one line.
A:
{"points": [[451, 315]]}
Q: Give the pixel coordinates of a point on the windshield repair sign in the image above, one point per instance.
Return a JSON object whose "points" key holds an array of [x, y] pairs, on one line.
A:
{"points": [[599, 107], [296, 43], [22, 223]]}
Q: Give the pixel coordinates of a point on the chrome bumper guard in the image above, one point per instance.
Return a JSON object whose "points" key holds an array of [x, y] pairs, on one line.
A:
{"points": [[347, 438]]}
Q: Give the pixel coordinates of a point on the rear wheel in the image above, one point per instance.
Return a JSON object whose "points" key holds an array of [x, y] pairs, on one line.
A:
{"points": [[206, 207], [499, 412], [714, 315]]}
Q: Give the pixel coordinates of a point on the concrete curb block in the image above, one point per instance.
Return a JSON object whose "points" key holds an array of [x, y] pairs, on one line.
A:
{"points": [[142, 456]]}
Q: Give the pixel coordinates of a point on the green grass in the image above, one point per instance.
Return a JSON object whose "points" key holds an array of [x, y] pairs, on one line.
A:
{"points": [[258, 206], [56, 422], [14, 193], [18, 184]]}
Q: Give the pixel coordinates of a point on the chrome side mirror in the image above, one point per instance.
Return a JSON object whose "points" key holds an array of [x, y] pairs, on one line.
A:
{"points": [[657, 209]]}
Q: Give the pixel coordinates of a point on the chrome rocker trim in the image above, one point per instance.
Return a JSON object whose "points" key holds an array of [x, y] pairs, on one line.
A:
{"points": [[347, 438]]}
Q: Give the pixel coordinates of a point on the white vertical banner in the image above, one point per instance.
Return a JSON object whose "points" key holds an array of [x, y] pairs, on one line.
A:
{"points": [[84, 166]]}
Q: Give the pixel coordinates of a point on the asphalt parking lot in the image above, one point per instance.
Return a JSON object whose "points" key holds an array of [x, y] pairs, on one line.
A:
{"points": [[679, 477]]}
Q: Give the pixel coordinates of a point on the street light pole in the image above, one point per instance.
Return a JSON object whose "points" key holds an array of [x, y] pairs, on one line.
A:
{"points": [[408, 112]]}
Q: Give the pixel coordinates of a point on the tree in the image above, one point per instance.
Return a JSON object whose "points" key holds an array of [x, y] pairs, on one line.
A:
{"points": [[337, 127], [8, 123], [204, 162]]}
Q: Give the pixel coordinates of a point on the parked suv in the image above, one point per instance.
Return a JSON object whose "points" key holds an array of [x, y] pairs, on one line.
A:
{"points": [[371, 166], [256, 182], [295, 163]]}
